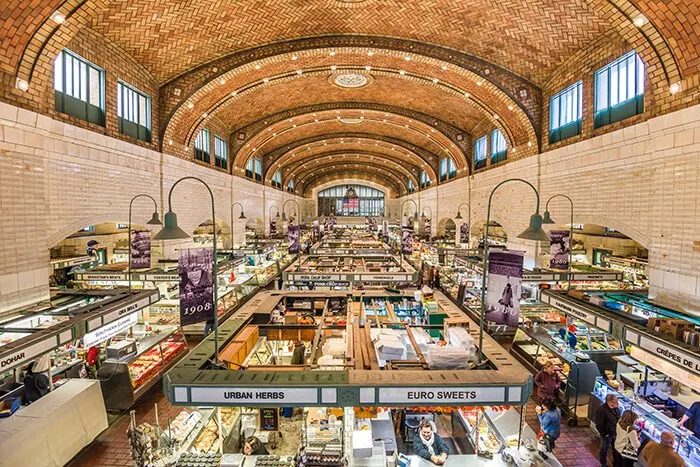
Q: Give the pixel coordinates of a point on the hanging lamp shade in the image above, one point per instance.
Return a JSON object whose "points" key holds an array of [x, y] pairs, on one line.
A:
{"points": [[534, 230], [242, 216], [171, 231], [547, 219], [459, 215], [155, 220]]}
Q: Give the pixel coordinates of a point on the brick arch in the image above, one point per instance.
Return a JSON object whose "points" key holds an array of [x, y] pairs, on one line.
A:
{"points": [[351, 181], [612, 222], [332, 169], [73, 225], [446, 134]]}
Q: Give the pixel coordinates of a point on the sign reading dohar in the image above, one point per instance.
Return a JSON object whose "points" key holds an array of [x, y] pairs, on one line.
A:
{"points": [[437, 396], [249, 395]]}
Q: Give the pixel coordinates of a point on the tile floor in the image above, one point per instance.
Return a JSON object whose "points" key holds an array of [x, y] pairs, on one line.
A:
{"points": [[576, 447]]}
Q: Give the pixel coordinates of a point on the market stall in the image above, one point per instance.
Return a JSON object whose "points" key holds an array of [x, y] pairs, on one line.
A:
{"points": [[344, 372]]}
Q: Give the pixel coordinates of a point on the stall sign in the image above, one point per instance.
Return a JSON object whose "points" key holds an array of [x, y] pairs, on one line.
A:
{"points": [[166, 277], [119, 312], [269, 419], [442, 395], [675, 355], [110, 330], [315, 277], [504, 286], [559, 249], [579, 313], [18, 357], [101, 277], [668, 369], [539, 277], [603, 276], [251, 395], [385, 278]]}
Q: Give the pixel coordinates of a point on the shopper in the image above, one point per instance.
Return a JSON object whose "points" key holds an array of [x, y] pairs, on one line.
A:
{"points": [[606, 418], [429, 445], [694, 414], [36, 381], [661, 454], [298, 353], [93, 357], [626, 441], [253, 447], [547, 382], [550, 423], [208, 327]]}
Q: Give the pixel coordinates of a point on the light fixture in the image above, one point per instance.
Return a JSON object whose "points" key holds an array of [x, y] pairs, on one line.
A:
{"points": [[435, 80], [333, 67], [332, 53], [367, 67], [407, 58], [402, 72], [675, 88], [233, 93], [265, 80], [190, 105], [155, 220], [299, 72], [294, 57], [510, 107], [170, 142], [257, 67], [171, 231], [467, 95], [370, 53], [222, 81], [529, 144], [546, 218], [534, 230], [640, 21], [58, 17], [22, 84], [479, 83]]}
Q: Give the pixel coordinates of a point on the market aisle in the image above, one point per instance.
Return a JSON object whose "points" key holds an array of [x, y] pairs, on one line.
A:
{"points": [[576, 447]]}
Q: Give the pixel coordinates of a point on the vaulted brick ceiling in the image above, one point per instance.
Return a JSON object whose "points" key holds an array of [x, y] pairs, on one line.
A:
{"points": [[438, 71]]}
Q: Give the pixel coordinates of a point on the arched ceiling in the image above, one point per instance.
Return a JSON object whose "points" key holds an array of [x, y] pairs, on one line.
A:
{"points": [[438, 74]]}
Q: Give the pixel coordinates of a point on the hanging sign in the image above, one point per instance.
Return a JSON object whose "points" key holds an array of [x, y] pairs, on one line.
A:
{"points": [[293, 238], [123, 310], [249, 395], [439, 396], [110, 330], [407, 241], [273, 226], [679, 357], [196, 285], [140, 249], [464, 232], [559, 249], [19, 357], [427, 228], [504, 286], [269, 419], [316, 230], [659, 364]]}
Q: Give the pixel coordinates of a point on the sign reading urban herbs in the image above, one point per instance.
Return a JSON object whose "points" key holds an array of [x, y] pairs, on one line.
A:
{"points": [[140, 249], [196, 285], [249, 395], [504, 284], [559, 244]]}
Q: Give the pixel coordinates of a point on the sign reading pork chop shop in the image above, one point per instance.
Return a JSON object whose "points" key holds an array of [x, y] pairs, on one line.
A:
{"points": [[437, 396], [248, 395]]}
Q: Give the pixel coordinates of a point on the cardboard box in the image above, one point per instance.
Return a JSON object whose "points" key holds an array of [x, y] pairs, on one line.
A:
{"points": [[654, 323], [578, 294], [676, 328]]}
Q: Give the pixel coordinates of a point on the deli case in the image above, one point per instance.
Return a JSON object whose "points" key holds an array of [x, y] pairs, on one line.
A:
{"points": [[134, 366]]}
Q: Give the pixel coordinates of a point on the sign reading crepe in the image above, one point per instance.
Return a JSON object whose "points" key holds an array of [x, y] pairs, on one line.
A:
{"points": [[196, 285]]}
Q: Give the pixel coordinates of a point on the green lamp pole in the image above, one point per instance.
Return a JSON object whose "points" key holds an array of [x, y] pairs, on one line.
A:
{"points": [[533, 232], [459, 217], [242, 216], [155, 220], [171, 231], [547, 219]]}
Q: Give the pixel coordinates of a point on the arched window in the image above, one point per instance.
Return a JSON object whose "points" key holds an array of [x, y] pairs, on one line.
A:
{"points": [[254, 169], [448, 169], [480, 153], [290, 186], [499, 147], [424, 179], [411, 186], [350, 200], [201, 146], [277, 179]]}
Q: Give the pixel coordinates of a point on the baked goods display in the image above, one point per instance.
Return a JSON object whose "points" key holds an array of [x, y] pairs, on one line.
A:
{"points": [[206, 439], [183, 424]]}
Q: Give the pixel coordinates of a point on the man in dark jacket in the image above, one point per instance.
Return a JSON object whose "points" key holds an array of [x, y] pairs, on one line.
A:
{"points": [[429, 445], [606, 418]]}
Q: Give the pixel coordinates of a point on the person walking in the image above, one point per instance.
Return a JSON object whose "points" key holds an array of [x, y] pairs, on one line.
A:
{"points": [[626, 441], [606, 418], [547, 383], [550, 423], [661, 454]]}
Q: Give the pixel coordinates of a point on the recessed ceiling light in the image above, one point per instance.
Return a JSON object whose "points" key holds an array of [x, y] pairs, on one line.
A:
{"points": [[222, 81], [190, 105], [22, 84], [407, 58], [234, 93], [466, 94], [510, 107], [435, 80], [444, 67], [495, 116], [170, 142], [402, 72], [529, 144], [204, 115], [479, 83], [257, 67], [332, 53], [333, 67], [674, 88], [294, 57], [367, 67], [370, 53], [640, 21], [58, 17], [299, 72], [265, 80]]}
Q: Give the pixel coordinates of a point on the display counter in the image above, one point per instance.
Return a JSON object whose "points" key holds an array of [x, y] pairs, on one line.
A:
{"points": [[135, 365], [52, 430]]}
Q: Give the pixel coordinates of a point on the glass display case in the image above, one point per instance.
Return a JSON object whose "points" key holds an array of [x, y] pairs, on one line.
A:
{"points": [[651, 421], [489, 429], [125, 379]]}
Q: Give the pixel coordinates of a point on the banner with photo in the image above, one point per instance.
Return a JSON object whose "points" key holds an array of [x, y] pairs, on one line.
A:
{"points": [[427, 232], [316, 230], [334, 221], [293, 238], [407, 241], [504, 286], [273, 226], [196, 285], [559, 244], [464, 232], [140, 249]]}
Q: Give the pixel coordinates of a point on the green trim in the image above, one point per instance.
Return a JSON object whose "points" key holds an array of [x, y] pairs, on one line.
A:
{"points": [[499, 157], [566, 131]]}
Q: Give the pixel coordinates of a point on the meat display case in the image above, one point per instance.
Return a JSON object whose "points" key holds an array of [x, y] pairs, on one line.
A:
{"points": [[126, 379]]}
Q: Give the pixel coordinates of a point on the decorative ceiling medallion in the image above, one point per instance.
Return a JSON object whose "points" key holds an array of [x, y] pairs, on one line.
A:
{"points": [[350, 120], [351, 80]]}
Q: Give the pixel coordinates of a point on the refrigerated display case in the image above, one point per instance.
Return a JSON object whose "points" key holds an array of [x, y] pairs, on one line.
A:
{"points": [[125, 379], [489, 429]]}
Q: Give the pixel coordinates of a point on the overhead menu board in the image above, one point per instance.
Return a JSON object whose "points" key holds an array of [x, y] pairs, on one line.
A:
{"points": [[253, 395], [578, 312], [679, 356]]}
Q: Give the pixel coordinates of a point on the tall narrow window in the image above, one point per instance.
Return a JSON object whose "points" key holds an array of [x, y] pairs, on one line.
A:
{"points": [[448, 169], [619, 90], [277, 179], [254, 169], [290, 186], [201, 146], [565, 113], [480, 153], [258, 169], [424, 179], [411, 186], [79, 87], [220, 152], [133, 112], [499, 147]]}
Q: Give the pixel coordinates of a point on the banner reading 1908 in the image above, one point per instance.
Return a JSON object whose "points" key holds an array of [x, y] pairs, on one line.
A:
{"points": [[140, 249], [196, 285]]}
